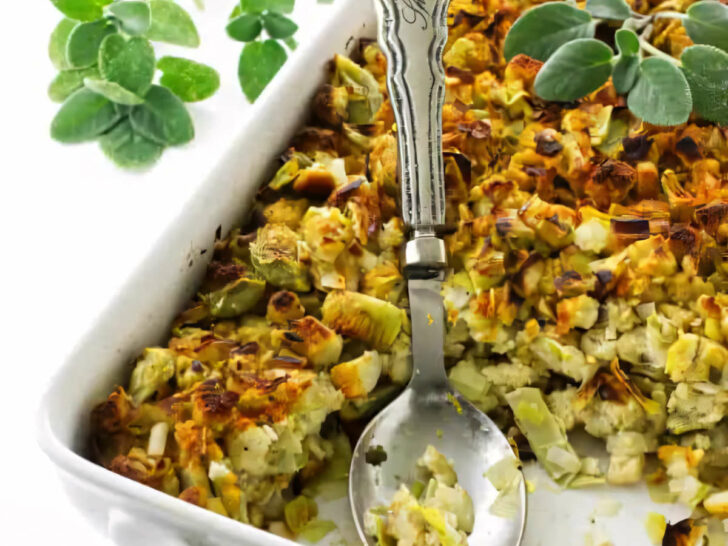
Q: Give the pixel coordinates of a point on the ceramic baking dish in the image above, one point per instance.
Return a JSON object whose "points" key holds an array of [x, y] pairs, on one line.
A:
{"points": [[140, 314]]}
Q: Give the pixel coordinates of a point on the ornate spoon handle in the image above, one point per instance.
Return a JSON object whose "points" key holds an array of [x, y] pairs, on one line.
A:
{"points": [[412, 34]]}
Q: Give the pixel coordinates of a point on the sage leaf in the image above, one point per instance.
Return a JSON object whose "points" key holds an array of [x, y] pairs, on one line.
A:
{"points": [[543, 29], [706, 69], [281, 6], [68, 81], [627, 65], [661, 95], [278, 26], [84, 40], [129, 149], [187, 79], [172, 24], [253, 6], [57, 44], [245, 28], [134, 17], [81, 10], [259, 63], [707, 23], [163, 118], [112, 91], [574, 70], [130, 63], [617, 10], [84, 116]]}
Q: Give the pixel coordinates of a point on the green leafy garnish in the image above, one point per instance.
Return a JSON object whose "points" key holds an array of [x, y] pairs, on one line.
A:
{"points": [[259, 63], [128, 148], [706, 69], [542, 30], [707, 23], [68, 81], [172, 24], [661, 95], [189, 80], [609, 9], [130, 63], [262, 56], [163, 118], [660, 89], [627, 65], [576, 69], [84, 41], [84, 116], [81, 10], [107, 64], [134, 17], [57, 44]]}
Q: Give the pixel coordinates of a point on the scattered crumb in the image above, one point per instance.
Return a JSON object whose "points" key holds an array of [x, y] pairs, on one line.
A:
{"points": [[530, 486], [596, 536], [655, 525], [375, 455], [455, 403], [439, 433], [607, 507], [430, 320]]}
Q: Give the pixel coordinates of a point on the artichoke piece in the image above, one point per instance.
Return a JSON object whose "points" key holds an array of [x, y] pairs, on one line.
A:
{"points": [[545, 434], [330, 105], [284, 306], [152, 371], [274, 254], [327, 232], [364, 408], [364, 95], [320, 344], [286, 211], [563, 359], [235, 298], [289, 171], [363, 317], [692, 408], [358, 377]]}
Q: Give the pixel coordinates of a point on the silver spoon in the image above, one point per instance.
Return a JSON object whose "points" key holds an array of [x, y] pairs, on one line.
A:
{"points": [[412, 34]]}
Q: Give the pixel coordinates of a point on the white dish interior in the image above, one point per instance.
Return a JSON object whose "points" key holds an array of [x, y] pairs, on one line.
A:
{"points": [[140, 314]]}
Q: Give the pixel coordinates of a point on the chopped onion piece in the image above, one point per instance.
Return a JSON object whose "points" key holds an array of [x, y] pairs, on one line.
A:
{"points": [[158, 439]]}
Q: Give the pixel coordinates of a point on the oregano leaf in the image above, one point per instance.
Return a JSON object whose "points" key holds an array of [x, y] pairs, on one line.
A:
{"points": [[57, 43], [130, 63], [576, 69], [253, 6], [84, 41], [134, 17], [707, 23], [661, 95], [245, 28], [627, 63], [281, 6], [81, 10], [172, 24], [68, 81], [278, 26], [259, 63], [543, 29], [129, 149], [706, 69], [163, 118], [84, 116], [617, 10], [112, 91], [189, 80]]}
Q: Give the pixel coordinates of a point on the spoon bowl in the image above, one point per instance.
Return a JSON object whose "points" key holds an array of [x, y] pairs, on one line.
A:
{"points": [[467, 437], [430, 412]]}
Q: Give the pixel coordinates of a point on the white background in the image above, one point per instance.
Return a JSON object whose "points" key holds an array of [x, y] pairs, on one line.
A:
{"points": [[72, 228]]}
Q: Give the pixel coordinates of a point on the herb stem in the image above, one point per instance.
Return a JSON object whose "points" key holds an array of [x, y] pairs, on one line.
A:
{"points": [[669, 15], [652, 50]]}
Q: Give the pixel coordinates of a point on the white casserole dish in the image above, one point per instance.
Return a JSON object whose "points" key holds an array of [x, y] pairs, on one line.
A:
{"points": [[139, 316]]}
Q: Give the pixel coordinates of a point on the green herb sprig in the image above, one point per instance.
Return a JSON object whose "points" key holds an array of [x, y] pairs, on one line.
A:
{"points": [[107, 65], [261, 57], [660, 89]]}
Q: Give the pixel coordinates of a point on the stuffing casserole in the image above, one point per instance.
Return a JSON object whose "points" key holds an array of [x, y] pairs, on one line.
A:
{"points": [[588, 291]]}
